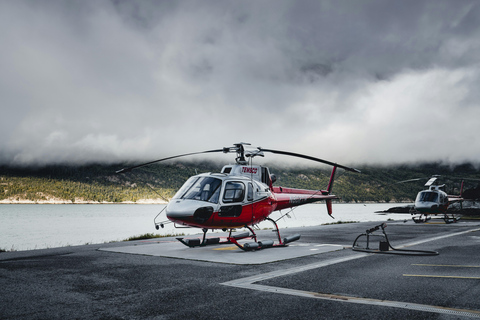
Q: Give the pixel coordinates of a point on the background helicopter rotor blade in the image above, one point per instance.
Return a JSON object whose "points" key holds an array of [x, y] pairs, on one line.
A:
{"points": [[409, 180], [298, 155], [169, 158], [400, 182]]}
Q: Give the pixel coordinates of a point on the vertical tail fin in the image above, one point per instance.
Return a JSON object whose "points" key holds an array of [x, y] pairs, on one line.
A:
{"points": [[332, 178]]}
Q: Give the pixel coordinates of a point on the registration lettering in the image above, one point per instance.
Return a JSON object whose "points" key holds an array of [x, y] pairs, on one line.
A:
{"points": [[296, 200], [249, 170]]}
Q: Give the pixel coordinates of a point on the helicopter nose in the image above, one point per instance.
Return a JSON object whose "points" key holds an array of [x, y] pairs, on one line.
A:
{"points": [[188, 210]]}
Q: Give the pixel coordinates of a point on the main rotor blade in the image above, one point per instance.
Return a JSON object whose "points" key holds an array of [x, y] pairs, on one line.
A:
{"points": [[286, 153], [169, 158], [410, 180]]}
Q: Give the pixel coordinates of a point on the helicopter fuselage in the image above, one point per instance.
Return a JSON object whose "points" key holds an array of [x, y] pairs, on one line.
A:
{"points": [[240, 195], [218, 200], [432, 201]]}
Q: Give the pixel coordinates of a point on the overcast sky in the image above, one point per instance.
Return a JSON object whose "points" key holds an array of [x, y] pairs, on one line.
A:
{"points": [[348, 81]]}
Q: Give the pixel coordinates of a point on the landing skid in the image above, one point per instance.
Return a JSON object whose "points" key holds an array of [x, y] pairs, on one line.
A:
{"points": [[196, 242], [421, 219], [258, 245], [249, 246], [424, 218], [451, 219]]}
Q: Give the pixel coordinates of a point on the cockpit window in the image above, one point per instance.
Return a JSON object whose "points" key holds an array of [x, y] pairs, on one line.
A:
{"points": [[427, 196], [200, 188], [187, 185], [234, 192]]}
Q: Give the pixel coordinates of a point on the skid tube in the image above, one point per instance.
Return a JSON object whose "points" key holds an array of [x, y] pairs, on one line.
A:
{"points": [[451, 219], [258, 245], [196, 242], [421, 219], [385, 246], [448, 219]]}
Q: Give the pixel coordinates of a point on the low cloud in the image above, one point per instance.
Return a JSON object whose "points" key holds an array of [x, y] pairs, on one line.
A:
{"points": [[115, 81]]}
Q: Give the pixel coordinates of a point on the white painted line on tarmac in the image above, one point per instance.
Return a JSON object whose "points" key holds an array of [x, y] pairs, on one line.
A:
{"points": [[439, 276], [443, 265], [439, 237]]}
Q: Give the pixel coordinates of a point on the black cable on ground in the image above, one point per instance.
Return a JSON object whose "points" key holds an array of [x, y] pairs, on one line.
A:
{"points": [[384, 246]]}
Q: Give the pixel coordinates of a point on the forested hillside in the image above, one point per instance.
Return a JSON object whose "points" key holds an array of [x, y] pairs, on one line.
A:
{"points": [[100, 183]]}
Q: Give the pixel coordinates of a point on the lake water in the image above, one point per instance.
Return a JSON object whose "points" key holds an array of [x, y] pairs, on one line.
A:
{"points": [[38, 226]]}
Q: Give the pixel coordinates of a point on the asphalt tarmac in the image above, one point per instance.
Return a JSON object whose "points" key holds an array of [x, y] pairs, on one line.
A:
{"points": [[316, 277]]}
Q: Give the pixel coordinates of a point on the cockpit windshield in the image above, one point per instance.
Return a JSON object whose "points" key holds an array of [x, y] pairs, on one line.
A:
{"points": [[427, 196], [200, 188]]}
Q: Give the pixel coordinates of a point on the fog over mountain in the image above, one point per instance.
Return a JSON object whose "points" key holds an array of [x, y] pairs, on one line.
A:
{"points": [[348, 81]]}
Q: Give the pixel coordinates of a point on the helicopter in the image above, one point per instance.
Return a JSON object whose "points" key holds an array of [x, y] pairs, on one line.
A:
{"points": [[433, 200], [241, 195]]}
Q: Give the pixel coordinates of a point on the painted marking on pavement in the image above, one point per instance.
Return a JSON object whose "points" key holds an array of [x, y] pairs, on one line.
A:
{"points": [[226, 248], [438, 276], [443, 265]]}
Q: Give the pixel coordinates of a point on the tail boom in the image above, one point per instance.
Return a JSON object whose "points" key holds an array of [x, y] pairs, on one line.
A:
{"points": [[289, 198]]}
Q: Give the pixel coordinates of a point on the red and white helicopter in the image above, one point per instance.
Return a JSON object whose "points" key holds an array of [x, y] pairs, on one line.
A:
{"points": [[240, 196]]}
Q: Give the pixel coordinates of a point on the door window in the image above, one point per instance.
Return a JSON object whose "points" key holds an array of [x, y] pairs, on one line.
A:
{"points": [[234, 192]]}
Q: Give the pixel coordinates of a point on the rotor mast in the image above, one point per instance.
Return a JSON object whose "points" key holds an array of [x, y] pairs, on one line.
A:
{"points": [[240, 150]]}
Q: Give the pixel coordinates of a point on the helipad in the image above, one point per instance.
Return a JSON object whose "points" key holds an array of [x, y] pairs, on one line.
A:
{"points": [[226, 253]]}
